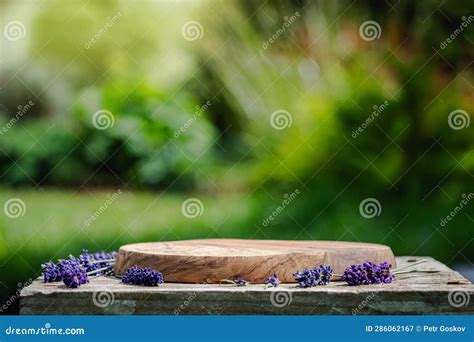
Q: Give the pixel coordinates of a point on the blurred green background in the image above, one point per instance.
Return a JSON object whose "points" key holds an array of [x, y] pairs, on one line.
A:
{"points": [[238, 104]]}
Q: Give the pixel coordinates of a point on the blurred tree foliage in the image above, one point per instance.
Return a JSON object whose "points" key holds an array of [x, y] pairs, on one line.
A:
{"points": [[114, 63], [318, 69], [139, 149], [331, 81]]}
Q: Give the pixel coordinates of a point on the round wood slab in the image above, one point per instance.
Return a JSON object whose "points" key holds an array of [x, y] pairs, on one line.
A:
{"points": [[210, 260]]}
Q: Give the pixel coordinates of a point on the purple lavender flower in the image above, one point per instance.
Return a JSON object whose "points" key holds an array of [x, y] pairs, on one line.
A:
{"points": [[325, 273], [355, 275], [368, 273], [313, 277], [75, 271], [74, 275], [91, 261], [51, 272], [142, 276], [240, 282], [308, 277], [272, 281], [386, 276]]}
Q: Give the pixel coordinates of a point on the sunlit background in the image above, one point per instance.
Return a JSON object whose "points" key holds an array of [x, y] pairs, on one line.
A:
{"points": [[128, 121]]}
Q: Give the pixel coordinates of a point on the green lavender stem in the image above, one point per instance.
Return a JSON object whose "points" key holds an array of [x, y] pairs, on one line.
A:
{"points": [[228, 281], [101, 261], [411, 271], [400, 270], [396, 270], [100, 270]]}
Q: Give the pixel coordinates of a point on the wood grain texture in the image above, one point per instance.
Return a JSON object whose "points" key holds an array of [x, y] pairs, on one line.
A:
{"points": [[198, 261], [415, 293]]}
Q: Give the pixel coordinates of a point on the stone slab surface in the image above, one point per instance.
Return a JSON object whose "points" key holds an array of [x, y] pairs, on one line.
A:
{"points": [[418, 293]]}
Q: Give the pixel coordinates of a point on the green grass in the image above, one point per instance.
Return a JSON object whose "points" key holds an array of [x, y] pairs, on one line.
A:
{"points": [[53, 225], [54, 222]]}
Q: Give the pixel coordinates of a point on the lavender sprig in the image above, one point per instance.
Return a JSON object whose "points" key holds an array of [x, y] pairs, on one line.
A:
{"points": [[308, 277], [142, 276], [76, 271], [368, 273], [96, 260], [238, 282], [325, 273], [51, 272], [272, 281], [313, 277], [74, 276]]}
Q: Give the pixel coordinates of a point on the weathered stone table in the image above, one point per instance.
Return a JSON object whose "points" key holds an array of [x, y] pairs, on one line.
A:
{"points": [[418, 293]]}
